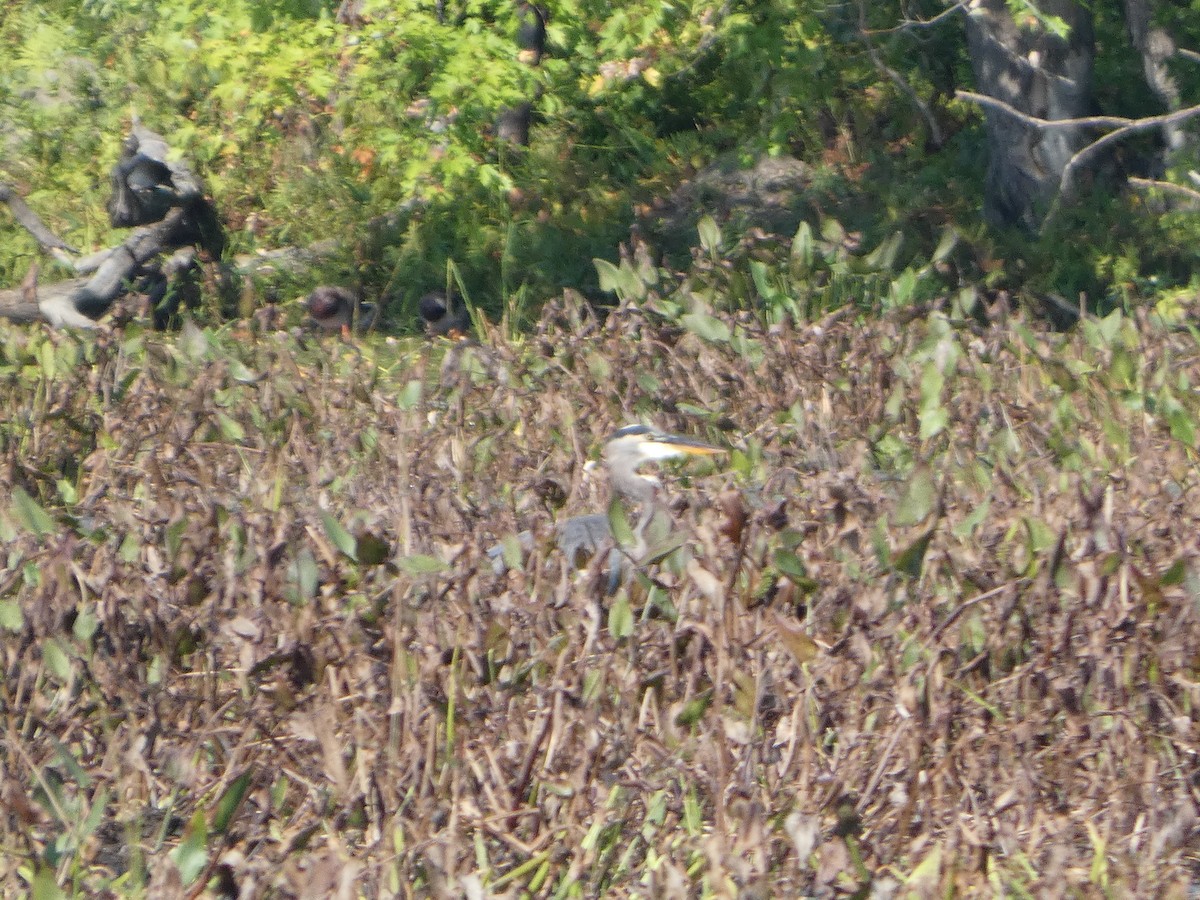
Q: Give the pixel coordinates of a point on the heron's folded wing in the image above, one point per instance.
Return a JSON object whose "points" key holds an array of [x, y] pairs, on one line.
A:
{"points": [[586, 535]]}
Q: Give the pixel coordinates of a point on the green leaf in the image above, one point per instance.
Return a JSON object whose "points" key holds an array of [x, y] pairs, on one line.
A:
{"points": [[46, 360], [946, 244], [513, 552], [620, 617], [67, 492], [911, 559], [303, 571], [131, 548], [231, 429], [28, 513], [239, 372], [11, 616], [710, 328], [618, 521], [86, 624], [610, 275], [648, 383], [191, 856], [1041, 537], [789, 564], [693, 711], [599, 367], [802, 247], [44, 886], [927, 874], [1183, 428], [883, 258], [411, 395], [1109, 327], [904, 287], [229, 802], [934, 420], [193, 341], [421, 564], [56, 660], [974, 519], [710, 235], [155, 670], [832, 231], [919, 498], [1174, 575], [339, 536]]}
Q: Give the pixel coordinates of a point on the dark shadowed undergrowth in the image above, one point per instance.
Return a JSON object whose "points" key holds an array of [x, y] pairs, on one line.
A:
{"points": [[933, 627]]}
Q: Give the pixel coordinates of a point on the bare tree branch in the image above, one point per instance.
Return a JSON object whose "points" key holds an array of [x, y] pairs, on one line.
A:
{"points": [[935, 131], [1087, 122], [1167, 187], [1138, 125], [1122, 128], [31, 222], [911, 24]]}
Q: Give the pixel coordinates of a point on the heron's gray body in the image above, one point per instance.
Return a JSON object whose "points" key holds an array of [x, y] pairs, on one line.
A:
{"points": [[580, 538]]}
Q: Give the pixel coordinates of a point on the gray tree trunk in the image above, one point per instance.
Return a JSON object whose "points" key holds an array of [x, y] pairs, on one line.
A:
{"points": [[1155, 47], [1042, 76]]}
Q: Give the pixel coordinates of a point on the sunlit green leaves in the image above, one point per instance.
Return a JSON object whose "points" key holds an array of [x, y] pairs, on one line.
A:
{"points": [[710, 235], [44, 887], [303, 574], [231, 429], [620, 616], [56, 660], [11, 617], [802, 249], [30, 514], [618, 521], [625, 280], [191, 854], [339, 536], [910, 559], [934, 415], [421, 564], [410, 396], [920, 497], [706, 326], [230, 800], [694, 709]]}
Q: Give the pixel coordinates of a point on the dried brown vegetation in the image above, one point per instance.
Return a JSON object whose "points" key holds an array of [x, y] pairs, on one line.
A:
{"points": [[934, 627]]}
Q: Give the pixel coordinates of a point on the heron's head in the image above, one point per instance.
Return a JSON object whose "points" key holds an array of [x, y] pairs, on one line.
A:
{"points": [[633, 445]]}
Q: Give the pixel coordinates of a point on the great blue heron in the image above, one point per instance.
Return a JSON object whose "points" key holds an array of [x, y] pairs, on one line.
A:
{"points": [[582, 537], [444, 315], [332, 307]]}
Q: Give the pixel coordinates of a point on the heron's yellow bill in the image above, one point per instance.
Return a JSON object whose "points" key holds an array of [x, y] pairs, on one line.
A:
{"points": [[691, 448], [646, 443]]}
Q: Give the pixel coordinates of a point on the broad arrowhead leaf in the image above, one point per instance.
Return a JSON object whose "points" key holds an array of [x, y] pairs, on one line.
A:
{"points": [[341, 538], [30, 514]]}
